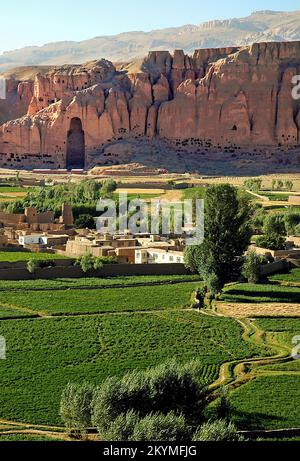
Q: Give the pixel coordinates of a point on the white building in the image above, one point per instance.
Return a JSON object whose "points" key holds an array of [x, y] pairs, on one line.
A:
{"points": [[158, 256], [30, 239]]}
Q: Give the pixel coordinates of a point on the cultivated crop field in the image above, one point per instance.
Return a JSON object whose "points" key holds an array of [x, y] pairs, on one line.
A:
{"points": [[101, 301], [92, 282], [292, 277], [90, 329], [44, 355], [268, 402], [271, 401], [240, 293]]}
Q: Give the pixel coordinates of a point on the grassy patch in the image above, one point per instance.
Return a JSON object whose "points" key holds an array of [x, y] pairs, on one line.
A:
{"points": [[15, 190], [194, 193], [16, 256], [44, 355]]}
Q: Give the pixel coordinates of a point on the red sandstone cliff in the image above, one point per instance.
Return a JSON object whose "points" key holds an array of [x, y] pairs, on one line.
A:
{"points": [[237, 98]]}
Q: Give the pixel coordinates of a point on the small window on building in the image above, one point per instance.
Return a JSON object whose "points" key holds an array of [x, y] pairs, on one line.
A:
{"points": [[171, 259]]}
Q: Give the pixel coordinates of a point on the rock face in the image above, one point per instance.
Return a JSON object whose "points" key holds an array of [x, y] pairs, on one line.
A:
{"points": [[227, 99]]}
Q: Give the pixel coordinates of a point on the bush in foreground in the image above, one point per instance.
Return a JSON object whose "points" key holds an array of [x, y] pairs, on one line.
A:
{"points": [[122, 428], [76, 407], [167, 388], [161, 428], [218, 431]]}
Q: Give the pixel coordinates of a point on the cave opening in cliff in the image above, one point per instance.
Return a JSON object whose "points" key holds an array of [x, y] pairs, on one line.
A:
{"points": [[75, 145]]}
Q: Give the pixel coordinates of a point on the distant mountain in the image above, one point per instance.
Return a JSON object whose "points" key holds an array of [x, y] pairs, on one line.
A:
{"points": [[259, 26]]}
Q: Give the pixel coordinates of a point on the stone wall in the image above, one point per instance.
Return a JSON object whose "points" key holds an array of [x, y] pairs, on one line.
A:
{"points": [[17, 271]]}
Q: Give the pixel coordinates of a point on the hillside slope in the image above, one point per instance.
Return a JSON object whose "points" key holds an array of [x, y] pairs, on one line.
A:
{"points": [[260, 26]]}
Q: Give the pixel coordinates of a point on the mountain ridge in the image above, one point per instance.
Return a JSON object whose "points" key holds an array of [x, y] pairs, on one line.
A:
{"points": [[260, 26]]}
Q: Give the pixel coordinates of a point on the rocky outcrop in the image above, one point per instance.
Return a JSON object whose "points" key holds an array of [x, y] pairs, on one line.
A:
{"points": [[223, 99], [18, 97]]}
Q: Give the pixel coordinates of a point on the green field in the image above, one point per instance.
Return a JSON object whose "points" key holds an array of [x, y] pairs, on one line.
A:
{"points": [[43, 355], [241, 293], [267, 403], [284, 197], [10, 313], [99, 330], [14, 190], [293, 277], [100, 301], [271, 400], [92, 282], [16, 256]]}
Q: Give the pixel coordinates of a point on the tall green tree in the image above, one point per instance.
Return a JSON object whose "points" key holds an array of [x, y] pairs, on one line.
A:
{"points": [[227, 233]]}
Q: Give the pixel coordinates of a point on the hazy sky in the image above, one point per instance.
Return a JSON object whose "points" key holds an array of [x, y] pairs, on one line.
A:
{"points": [[35, 22]]}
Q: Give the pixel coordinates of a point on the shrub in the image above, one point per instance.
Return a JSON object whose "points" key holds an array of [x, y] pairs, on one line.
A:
{"points": [[161, 428], [85, 221], [32, 266], [254, 185], [218, 431], [214, 284], [224, 408], [292, 221], [108, 187], [297, 231], [75, 407], [271, 242], [89, 263], [46, 264], [86, 263], [122, 428], [275, 224], [251, 267]]}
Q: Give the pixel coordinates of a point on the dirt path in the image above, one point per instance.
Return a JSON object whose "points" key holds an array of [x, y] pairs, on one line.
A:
{"points": [[238, 372]]}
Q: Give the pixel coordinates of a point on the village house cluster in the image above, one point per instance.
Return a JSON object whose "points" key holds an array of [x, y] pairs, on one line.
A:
{"points": [[42, 232], [127, 248]]}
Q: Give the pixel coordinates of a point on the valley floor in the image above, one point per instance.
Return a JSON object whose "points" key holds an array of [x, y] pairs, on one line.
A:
{"points": [[56, 333]]}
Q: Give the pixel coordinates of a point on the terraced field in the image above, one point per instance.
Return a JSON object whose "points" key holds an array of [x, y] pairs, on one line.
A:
{"points": [[265, 392], [268, 293]]}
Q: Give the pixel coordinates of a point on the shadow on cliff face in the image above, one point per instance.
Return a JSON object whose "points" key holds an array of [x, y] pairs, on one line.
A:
{"points": [[160, 154]]}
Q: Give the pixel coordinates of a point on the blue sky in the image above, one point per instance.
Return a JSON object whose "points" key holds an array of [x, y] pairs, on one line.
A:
{"points": [[35, 22]]}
